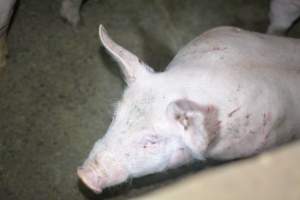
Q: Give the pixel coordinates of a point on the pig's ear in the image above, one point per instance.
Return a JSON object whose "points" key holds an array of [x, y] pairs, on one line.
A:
{"points": [[198, 124], [131, 66]]}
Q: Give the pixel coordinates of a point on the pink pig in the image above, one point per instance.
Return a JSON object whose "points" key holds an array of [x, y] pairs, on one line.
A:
{"points": [[228, 94]]}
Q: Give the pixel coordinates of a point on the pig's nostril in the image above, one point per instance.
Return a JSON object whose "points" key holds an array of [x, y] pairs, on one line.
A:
{"points": [[90, 179]]}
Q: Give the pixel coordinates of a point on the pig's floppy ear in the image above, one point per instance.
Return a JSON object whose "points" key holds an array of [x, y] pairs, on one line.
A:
{"points": [[131, 66], [199, 124]]}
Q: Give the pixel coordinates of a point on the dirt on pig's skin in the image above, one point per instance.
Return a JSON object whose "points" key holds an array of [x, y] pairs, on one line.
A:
{"points": [[59, 87]]}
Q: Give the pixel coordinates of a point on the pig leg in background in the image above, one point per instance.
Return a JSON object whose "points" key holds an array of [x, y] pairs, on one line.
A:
{"points": [[282, 15], [70, 11], [6, 10]]}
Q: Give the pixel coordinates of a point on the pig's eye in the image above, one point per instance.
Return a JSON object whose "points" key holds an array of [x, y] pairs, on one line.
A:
{"points": [[150, 141]]}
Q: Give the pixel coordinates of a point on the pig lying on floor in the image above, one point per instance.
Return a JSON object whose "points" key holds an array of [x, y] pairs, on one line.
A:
{"points": [[228, 94]]}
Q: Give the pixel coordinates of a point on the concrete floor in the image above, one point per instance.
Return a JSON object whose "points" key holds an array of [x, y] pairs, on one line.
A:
{"points": [[59, 86]]}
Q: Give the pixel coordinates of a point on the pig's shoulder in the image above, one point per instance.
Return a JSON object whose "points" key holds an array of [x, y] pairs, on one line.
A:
{"points": [[212, 44], [221, 31], [237, 39], [230, 44], [224, 36]]}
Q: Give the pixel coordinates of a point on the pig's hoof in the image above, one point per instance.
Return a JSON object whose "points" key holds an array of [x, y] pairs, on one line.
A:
{"points": [[70, 14], [3, 53]]}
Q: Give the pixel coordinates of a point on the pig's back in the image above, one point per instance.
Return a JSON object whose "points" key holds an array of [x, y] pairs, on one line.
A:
{"points": [[229, 56], [230, 46]]}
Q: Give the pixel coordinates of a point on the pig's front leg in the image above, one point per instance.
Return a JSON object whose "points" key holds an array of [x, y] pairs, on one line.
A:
{"points": [[70, 11], [6, 10], [282, 14]]}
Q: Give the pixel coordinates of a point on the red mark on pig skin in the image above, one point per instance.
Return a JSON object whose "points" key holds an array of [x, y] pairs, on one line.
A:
{"points": [[238, 88], [209, 109], [211, 122], [267, 118], [219, 48], [234, 111], [247, 121]]}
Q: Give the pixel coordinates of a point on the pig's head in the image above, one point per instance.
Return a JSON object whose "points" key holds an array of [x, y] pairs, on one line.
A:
{"points": [[151, 130]]}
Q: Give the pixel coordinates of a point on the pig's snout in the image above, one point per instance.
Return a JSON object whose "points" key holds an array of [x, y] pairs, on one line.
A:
{"points": [[91, 178], [101, 172]]}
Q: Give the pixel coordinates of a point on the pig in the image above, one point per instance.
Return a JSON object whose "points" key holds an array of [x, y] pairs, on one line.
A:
{"points": [[283, 13], [230, 93], [6, 11]]}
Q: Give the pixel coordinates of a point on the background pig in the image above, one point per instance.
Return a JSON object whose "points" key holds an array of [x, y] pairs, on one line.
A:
{"points": [[6, 10], [282, 14], [70, 11], [228, 94]]}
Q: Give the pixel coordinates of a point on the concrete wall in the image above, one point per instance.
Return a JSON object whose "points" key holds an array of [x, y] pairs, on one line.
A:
{"points": [[271, 176]]}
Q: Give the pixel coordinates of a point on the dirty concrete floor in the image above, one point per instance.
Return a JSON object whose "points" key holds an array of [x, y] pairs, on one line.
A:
{"points": [[59, 86]]}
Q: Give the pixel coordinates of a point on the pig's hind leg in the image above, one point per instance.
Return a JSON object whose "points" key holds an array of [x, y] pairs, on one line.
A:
{"points": [[283, 13]]}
